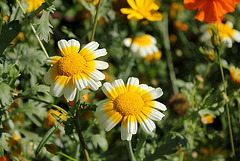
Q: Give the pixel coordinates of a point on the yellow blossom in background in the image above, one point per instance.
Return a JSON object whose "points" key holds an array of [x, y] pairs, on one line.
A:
{"points": [[144, 46], [143, 9], [76, 69], [34, 4], [50, 120], [6, 18], [226, 32], [207, 119], [20, 37], [235, 74], [94, 2], [174, 8], [131, 104]]}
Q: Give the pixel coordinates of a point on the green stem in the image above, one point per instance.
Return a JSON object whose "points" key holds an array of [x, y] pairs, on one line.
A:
{"points": [[164, 29], [95, 20], [66, 156], [76, 123], [90, 126], [227, 107], [130, 151], [34, 31]]}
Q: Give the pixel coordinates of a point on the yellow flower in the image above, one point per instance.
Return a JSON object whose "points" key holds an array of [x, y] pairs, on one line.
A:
{"points": [[226, 32], [143, 46], [207, 119], [50, 120], [34, 4], [20, 37], [141, 9], [76, 69], [131, 104], [235, 74]]}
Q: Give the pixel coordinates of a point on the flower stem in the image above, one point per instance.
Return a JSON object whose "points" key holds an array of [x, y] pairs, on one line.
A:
{"points": [[227, 107], [130, 151], [76, 123], [34, 31], [163, 26], [95, 20], [66, 156]]}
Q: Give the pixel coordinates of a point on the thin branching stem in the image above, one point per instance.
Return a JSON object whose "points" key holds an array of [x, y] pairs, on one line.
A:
{"points": [[95, 20], [227, 107], [34, 31]]}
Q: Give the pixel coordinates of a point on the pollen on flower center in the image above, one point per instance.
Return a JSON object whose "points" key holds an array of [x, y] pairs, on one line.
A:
{"points": [[71, 64], [128, 103]]}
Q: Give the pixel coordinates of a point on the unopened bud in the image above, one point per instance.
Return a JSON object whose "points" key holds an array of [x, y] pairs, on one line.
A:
{"points": [[51, 148], [216, 40]]}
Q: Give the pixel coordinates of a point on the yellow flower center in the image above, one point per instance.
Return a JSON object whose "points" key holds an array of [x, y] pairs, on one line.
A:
{"points": [[128, 103], [142, 40], [71, 64]]}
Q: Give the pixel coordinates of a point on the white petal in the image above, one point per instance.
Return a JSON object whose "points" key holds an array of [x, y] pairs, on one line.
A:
{"points": [[127, 42], [142, 52], [206, 36], [109, 123], [160, 106], [204, 28], [236, 36], [93, 84], [124, 134], [99, 53], [101, 65], [146, 124], [69, 92], [132, 124], [62, 44], [78, 82], [156, 93], [109, 91], [229, 23], [227, 42], [92, 46], [153, 39], [97, 75], [134, 48], [47, 78], [57, 87], [156, 115]]}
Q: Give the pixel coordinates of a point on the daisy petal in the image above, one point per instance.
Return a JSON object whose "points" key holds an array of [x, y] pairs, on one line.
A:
{"points": [[153, 114], [109, 91], [146, 124], [119, 86], [93, 84], [78, 82], [70, 47], [58, 86], [154, 94], [113, 119], [156, 105], [99, 53], [132, 84], [52, 60], [101, 65], [47, 78], [92, 46], [132, 124], [69, 90], [236, 36], [124, 130], [97, 75]]}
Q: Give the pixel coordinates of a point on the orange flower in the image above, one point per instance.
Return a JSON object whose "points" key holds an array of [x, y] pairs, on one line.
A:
{"points": [[211, 10]]}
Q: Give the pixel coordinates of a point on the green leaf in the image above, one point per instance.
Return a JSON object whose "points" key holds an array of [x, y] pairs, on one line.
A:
{"points": [[9, 32], [3, 143], [46, 137], [5, 94], [45, 28], [169, 147], [100, 141]]}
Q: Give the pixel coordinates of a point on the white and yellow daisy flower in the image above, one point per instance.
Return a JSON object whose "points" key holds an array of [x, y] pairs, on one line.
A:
{"points": [[143, 45], [130, 104], [226, 32], [76, 69]]}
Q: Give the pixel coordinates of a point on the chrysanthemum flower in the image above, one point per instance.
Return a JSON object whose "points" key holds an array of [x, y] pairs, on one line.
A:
{"points": [[235, 74], [33, 4], [211, 10], [131, 104], [76, 69], [143, 45], [141, 9], [225, 30]]}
